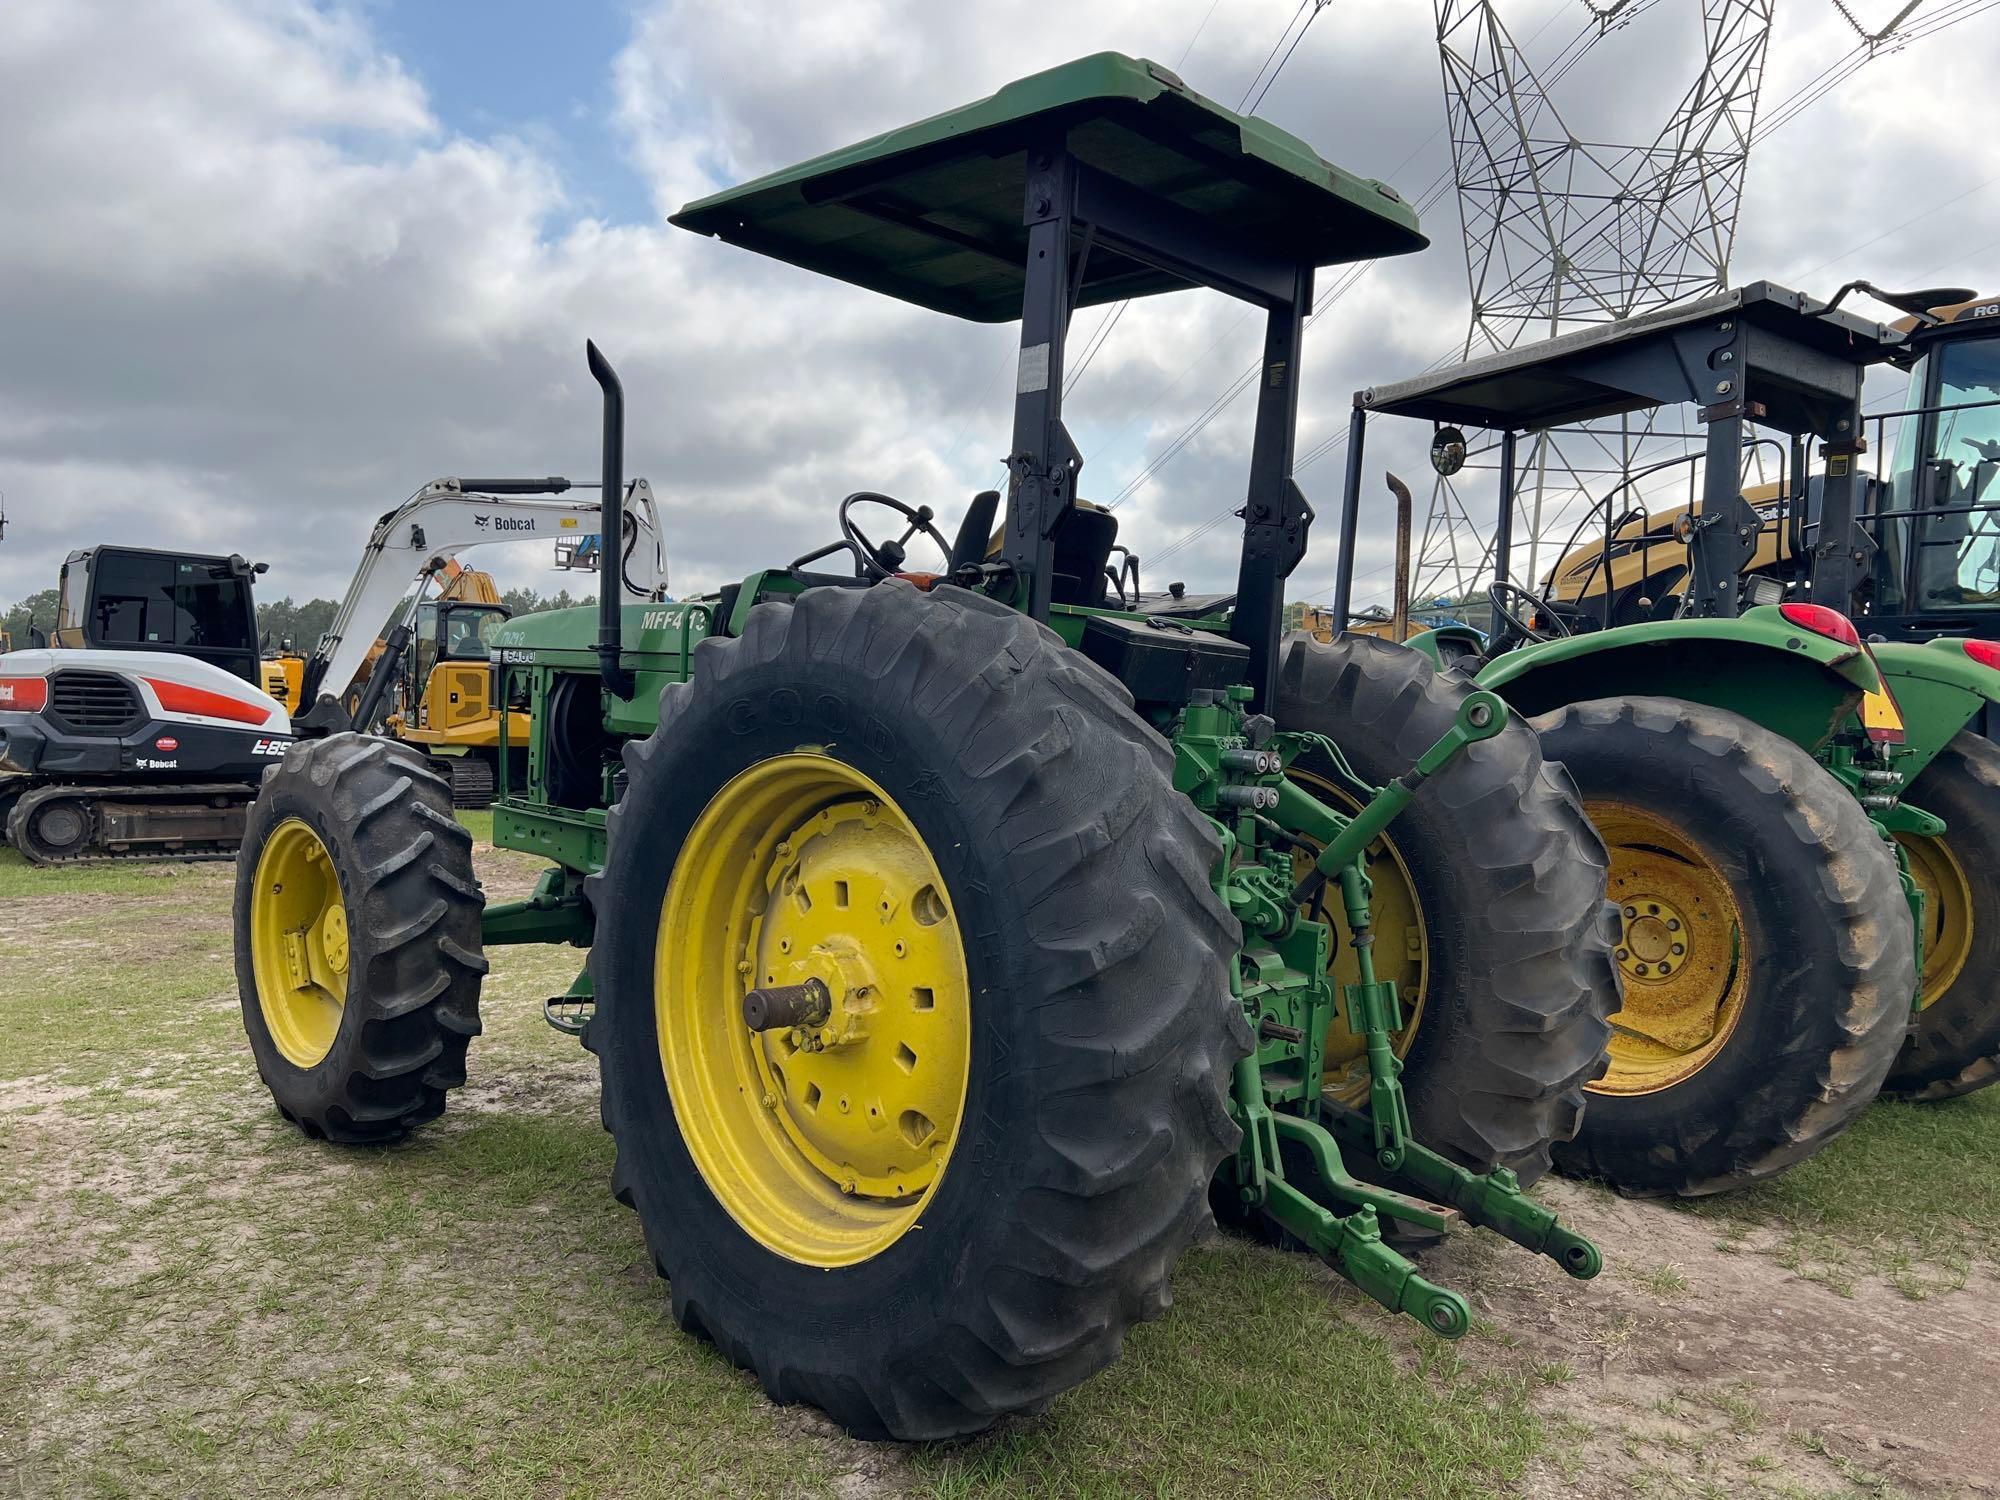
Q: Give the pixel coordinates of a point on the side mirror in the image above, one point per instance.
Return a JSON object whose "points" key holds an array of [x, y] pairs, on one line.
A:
{"points": [[1448, 451]]}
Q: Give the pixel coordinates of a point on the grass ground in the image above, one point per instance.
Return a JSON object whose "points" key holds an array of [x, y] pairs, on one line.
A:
{"points": [[196, 1300]]}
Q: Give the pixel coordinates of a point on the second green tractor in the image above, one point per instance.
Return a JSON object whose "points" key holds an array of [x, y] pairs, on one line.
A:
{"points": [[1802, 824]]}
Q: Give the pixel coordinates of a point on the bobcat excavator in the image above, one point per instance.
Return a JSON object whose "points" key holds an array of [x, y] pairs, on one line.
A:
{"points": [[143, 729], [430, 673], [139, 730]]}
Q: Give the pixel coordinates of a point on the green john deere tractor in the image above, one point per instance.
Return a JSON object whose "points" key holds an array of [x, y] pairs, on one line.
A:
{"points": [[1924, 581], [956, 936], [1744, 753]]}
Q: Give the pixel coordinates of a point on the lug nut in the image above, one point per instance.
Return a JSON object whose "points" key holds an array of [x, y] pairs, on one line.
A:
{"points": [[1631, 912]]}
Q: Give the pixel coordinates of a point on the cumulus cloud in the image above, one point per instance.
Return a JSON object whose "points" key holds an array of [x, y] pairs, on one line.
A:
{"points": [[254, 291]]}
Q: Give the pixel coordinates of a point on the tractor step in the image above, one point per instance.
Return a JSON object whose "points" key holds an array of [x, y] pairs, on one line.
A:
{"points": [[569, 1014]]}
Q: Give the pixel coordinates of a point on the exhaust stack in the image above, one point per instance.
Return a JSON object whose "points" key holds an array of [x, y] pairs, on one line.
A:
{"points": [[611, 588]]}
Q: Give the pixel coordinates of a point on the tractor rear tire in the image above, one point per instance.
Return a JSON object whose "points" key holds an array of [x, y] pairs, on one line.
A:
{"points": [[1777, 910], [1508, 876], [1074, 968], [360, 992], [1954, 1048]]}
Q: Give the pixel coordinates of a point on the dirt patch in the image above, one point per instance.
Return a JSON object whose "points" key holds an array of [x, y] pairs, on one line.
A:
{"points": [[186, 1283], [1739, 1370]]}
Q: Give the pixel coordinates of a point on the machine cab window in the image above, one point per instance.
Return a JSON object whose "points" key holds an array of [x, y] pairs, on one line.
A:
{"points": [[120, 598]]}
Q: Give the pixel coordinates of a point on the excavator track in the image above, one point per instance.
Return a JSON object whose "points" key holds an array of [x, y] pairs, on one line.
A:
{"points": [[96, 825]]}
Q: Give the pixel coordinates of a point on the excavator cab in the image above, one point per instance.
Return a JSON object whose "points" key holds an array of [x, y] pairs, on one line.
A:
{"points": [[137, 599], [452, 664]]}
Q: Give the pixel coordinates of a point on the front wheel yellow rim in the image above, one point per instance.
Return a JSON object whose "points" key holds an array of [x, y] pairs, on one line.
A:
{"points": [[1947, 914], [299, 943], [824, 1142], [1681, 952]]}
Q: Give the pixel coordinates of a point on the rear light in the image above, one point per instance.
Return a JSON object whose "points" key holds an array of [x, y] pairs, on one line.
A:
{"points": [[1820, 620], [24, 694], [1986, 653]]}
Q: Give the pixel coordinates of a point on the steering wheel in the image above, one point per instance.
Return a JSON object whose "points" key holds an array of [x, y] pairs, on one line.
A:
{"points": [[1500, 591], [1988, 451], [876, 561]]}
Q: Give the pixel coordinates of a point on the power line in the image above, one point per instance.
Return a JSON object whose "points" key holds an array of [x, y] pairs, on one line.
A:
{"points": [[1588, 36], [1274, 52], [1206, 15], [1102, 335], [1318, 6], [1104, 328]]}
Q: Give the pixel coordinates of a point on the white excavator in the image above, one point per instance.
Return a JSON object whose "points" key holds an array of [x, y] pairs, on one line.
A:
{"points": [[142, 730]]}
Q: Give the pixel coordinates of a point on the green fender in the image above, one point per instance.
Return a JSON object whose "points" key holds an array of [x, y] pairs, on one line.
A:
{"points": [[1939, 689], [1759, 665]]}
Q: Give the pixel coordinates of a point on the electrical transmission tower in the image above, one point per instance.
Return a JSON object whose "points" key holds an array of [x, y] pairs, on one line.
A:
{"points": [[1562, 230]]}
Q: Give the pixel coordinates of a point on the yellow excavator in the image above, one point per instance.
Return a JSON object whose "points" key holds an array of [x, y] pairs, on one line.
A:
{"points": [[443, 702]]}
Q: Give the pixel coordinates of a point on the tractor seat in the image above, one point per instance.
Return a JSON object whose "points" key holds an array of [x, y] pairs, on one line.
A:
{"points": [[1082, 553]]}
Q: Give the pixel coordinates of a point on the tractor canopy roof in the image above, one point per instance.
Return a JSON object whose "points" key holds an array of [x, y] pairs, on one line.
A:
{"points": [[1797, 356], [932, 213]]}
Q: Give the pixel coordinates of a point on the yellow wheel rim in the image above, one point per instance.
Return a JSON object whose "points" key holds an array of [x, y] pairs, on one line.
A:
{"points": [[825, 1143], [1947, 913], [1681, 953], [1402, 953], [299, 943]]}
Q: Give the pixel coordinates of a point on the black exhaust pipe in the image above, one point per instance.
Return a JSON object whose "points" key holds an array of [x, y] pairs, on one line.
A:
{"points": [[611, 524]]}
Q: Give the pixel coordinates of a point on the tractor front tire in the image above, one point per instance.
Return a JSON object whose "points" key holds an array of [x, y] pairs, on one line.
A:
{"points": [[946, 1198], [1493, 883], [1765, 945], [358, 957], [1955, 1045]]}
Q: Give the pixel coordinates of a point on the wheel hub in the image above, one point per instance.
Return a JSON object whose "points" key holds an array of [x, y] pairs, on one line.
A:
{"points": [[1679, 952], [1652, 940], [823, 1134], [864, 1094], [333, 938], [299, 943]]}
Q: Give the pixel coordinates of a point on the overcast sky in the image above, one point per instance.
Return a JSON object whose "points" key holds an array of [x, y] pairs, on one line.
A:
{"points": [[267, 266]]}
